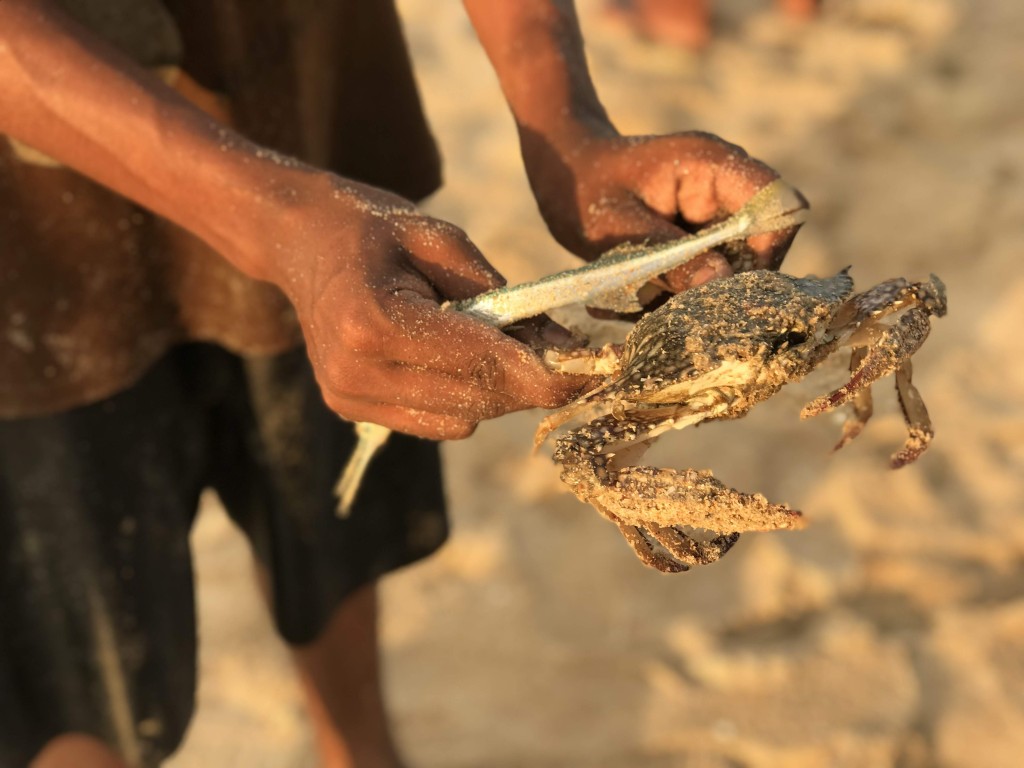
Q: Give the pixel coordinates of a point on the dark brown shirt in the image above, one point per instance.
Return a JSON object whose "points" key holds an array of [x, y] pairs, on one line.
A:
{"points": [[94, 289]]}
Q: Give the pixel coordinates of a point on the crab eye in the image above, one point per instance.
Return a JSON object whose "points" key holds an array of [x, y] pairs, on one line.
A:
{"points": [[788, 339]]}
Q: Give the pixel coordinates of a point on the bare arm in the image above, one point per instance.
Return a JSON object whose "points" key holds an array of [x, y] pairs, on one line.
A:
{"points": [[594, 187], [363, 268], [537, 51], [83, 104]]}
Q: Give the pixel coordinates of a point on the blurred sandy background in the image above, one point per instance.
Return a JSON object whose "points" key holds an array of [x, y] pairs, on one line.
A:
{"points": [[891, 631]]}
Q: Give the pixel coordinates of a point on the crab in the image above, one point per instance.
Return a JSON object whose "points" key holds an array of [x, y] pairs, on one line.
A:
{"points": [[714, 352]]}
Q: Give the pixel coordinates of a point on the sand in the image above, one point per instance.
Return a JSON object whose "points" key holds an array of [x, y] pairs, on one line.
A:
{"points": [[891, 630]]}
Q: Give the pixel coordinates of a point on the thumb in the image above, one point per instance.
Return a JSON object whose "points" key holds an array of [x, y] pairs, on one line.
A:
{"points": [[446, 256], [458, 270], [638, 223]]}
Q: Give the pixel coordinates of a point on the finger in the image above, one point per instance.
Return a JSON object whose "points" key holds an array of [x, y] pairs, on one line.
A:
{"points": [[707, 180], [698, 175], [713, 194], [459, 270], [681, 175], [635, 221], [696, 195], [456, 344], [446, 256], [410, 421], [700, 269], [376, 354], [771, 248], [704, 268], [736, 181], [709, 192], [628, 219], [734, 187], [473, 398]]}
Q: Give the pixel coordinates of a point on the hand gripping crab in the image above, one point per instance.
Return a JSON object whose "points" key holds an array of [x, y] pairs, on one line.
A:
{"points": [[610, 282], [713, 352]]}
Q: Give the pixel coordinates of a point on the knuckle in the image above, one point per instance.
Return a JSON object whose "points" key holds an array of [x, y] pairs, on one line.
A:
{"points": [[716, 146], [738, 152], [357, 333], [445, 235], [759, 173], [342, 378], [488, 373]]}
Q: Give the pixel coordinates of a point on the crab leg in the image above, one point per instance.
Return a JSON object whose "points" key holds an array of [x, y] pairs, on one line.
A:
{"points": [[611, 282], [919, 425], [895, 346], [862, 405], [686, 549]]}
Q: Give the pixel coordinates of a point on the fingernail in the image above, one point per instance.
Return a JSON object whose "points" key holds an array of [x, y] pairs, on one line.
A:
{"points": [[715, 268]]}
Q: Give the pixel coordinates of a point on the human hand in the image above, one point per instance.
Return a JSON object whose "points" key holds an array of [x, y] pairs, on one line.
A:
{"points": [[608, 189], [367, 272]]}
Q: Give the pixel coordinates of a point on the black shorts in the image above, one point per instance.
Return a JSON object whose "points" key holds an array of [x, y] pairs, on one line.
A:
{"points": [[97, 619]]}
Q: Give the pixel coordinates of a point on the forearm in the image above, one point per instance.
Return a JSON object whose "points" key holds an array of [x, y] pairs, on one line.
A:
{"points": [[595, 188], [536, 49], [72, 98]]}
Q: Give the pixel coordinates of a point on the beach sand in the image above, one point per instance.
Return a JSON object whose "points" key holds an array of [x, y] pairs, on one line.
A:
{"points": [[890, 632]]}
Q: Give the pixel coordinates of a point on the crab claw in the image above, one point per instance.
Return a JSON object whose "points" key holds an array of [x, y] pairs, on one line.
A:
{"points": [[673, 501], [653, 508], [919, 425], [664, 497], [680, 550]]}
